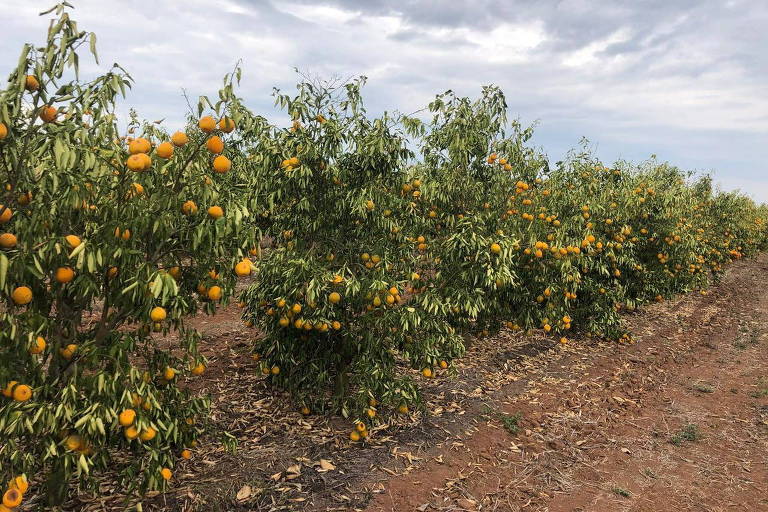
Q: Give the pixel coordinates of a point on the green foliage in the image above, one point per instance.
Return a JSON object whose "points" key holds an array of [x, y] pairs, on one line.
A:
{"points": [[137, 250]]}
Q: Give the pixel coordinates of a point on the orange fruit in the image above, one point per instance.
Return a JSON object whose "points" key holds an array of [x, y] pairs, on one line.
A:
{"points": [[38, 346], [215, 144], [74, 443], [135, 163], [139, 145], [207, 124], [3, 131], [166, 474], [164, 150], [354, 436], [179, 139], [73, 241], [334, 298], [6, 215], [8, 241], [158, 314], [68, 351], [12, 498], [186, 454], [21, 295], [31, 84], [169, 374], [226, 124], [215, 212], [126, 418], [112, 272], [495, 248], [24, 199], [243, 268], [48, 114], [146, 161], [427, 372], [64, 274], [22, 393], [131, 433], [148, 434], [403, 409], [8, 390], [137, 189], [222, 164], [20, 483], [189, 208], [214, 293], [198, 369]]}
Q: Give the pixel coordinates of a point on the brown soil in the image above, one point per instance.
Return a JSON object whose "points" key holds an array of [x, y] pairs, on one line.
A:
{"points": [[676, 420]]}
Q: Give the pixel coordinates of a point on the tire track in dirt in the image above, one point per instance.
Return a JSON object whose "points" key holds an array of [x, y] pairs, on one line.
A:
{"points": [[597, 424]]}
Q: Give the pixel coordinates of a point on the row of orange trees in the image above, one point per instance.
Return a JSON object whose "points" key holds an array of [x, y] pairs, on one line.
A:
{"points": [[394, 237], [378, 244]]}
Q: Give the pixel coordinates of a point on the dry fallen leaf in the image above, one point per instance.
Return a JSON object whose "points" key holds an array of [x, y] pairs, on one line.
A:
{"points": [[325, 465], [244, 493], [293, 471]]}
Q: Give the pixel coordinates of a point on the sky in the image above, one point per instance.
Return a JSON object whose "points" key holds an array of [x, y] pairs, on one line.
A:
{"points": [[685, 80]]}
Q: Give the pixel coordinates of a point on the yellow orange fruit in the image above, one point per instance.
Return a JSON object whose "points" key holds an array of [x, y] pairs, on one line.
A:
{"points": [[8, 389], [73, 241], [164, 150], [139, 145], [6, 215], [158, 314], [74, 443], [3, 131], [148, 434], [226, 125], [131, 433], [222, 164], [64, 274], [31, 83], [20, 483], [215, 212], [48, 114], [22, 295], [38, 346], [8, 241], [215, 145], [135, 163], [207, 124], [189, 208], [12, 498], [179, 139], [243, 268], [22, 393], [166, 474], [214, 293], [198, 369], [126, 418]]}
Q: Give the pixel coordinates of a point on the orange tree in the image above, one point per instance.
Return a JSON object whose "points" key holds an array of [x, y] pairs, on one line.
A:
{"points": [[330, 293], [106, 247]]}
